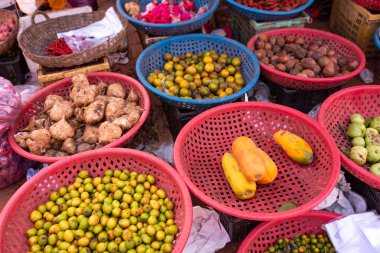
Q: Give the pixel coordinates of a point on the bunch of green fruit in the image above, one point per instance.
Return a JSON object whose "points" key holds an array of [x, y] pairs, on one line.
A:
{"points": [[308, 243], [121, 212], [365, 139], [199, 76]]}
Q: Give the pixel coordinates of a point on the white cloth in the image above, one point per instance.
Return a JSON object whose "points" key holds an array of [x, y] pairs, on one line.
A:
{"points": [[357, 233], [89, 36], [207, 233]]}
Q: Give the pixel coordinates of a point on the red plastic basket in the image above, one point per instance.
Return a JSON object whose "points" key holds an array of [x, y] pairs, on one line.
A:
{"points": [[35, 105], [334, 115], [369, 4], [201, 144], [14, 219], [341, 45], [267, 233]]}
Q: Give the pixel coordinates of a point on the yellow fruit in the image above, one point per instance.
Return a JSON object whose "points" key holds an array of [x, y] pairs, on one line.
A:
{"points": [[189, 77], [206, 80], [168, 67], [169, 84], [204, 91], [178, 79], [231, 70], [229, 91], [35, 216], [239, 81], [209, 67], [223, 94], [242, 188], [191, 70], [230, 79], [238, 75], [161, 76], [224, 73], [178, 67], [184, 84], [294, 146], [207, 59], [174, 89], [184, 92], [157, 82], [213, 87], [150, 79], [236, 61]]}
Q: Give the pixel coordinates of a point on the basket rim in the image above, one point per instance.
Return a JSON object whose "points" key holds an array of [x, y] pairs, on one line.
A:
{"points": [[183, 38], [121, 10], [101, 153], [245, 214], [377, 39], [272, 13], [346, 162], [321, 33], [8, 44], [266, 225], [51, 88]]}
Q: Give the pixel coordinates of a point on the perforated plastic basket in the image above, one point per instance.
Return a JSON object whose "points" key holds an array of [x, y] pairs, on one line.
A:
{"points": [[201, 144], [35, 105], [152, 58], [170, 29], [341, 45], [376, 38], [369, 4], [14, 219], [334, 116], [263, 15], [267, 233]]}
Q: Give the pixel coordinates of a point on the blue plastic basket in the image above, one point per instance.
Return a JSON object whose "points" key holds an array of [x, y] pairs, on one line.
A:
{"points": [[263, 15], [376, 38], [170, 29], [152, 58]]}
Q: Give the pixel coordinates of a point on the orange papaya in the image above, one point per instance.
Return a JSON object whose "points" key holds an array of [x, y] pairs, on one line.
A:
{"points": [[270, 168]]}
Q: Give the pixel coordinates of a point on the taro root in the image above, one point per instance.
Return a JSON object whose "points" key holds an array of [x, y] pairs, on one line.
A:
{"points": [[61, 130], [259, 44], [123, 122], [300, 53], [341, 61], [316, 55], [290, 39], [61, 109], [133, 97], [114, 107], [82, 93], [280, 41], [270, 54], [260, 53], [353, 65], [317, 69], [263, 38], [275, 59], [39, 141], [60, 154], [50, 101], [281, 67], [272, 40], [283, 58], [116, 90], [329, 70], [323, 61], [79, 114], [294, 71], [308, 63], [276, 49], [331, 53], [302, 74], [102, 88], [313, 47], [265, 60], [90, 134], [21, 138], [299, 41], [268, 46], [108, 132], [82, 147], [56, 144], [290, 64], [309, 72], [94, 113]]}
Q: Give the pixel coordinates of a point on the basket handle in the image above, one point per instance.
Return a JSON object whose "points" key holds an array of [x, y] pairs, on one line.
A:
{"points": [[36, 13]]}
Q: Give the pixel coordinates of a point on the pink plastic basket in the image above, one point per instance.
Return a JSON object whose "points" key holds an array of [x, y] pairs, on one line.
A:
{"points": [[35, 105], [341, 45], [369, 4], [201, 144], [334, 116], [14, 219], [267, 233]]}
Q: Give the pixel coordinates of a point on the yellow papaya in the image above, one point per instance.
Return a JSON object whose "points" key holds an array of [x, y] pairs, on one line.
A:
{"points": [[270, 168], [245, 152], [239, 184], [294, 146]]}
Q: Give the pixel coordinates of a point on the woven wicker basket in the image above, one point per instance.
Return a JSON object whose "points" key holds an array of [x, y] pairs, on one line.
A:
{"points": [[34, 40], [4, 16]]}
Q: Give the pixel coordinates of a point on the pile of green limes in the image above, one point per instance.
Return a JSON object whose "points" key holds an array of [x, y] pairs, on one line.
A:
{"points": [[121, 212]]}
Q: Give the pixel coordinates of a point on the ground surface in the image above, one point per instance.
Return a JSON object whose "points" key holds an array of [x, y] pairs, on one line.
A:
{"points": [[156, 129]]}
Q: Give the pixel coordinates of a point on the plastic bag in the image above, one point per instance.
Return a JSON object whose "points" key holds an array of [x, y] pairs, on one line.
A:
{"points": [[10, 105], [366, 75], [29, 88]]}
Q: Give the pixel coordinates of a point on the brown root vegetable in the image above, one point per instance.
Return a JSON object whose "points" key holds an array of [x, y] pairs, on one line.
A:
{"points": [[317, 69], [270, 54], [290, 38], [308, 63], [271, 66], [82, 93], [263, 38], [50, 101], [79, 114], [260, 53], [302, 74], [90, 134], [323, 49], [21, 138], [94, 113], [294, 71], [309, 72], [56, 144], [323, 61], [268, 46], [299, 66], [60, 154], [39, 141], [341, 61], [281, 67], [61, 109], [123, 122], [316, 55], [78, 133], [50, 152], [280, 41], [259, 44], [69, 146], [276, 49], [108, 132], [83, 147], [116, 90], [353, 65], [283, 58], [329, 70], [272, 40], [114, 107], [290, 64], [313, 47], [61, 130], [300, 53], [299, 41], [331, 53], [291, 48], [266, 60], [274, 59], [134, 116], [318, 43], [133, 96], [131, 107], [98, 145], [102, 88]]}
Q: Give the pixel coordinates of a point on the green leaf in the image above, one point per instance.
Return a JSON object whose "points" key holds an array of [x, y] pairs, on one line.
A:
{"points": [[287, 206]]}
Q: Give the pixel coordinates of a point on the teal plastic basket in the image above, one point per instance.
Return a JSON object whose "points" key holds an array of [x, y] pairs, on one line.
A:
{"points": [[152, 58]]}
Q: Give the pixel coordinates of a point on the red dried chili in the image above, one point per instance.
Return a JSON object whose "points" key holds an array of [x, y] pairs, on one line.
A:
{"points": [[59, 47]]}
